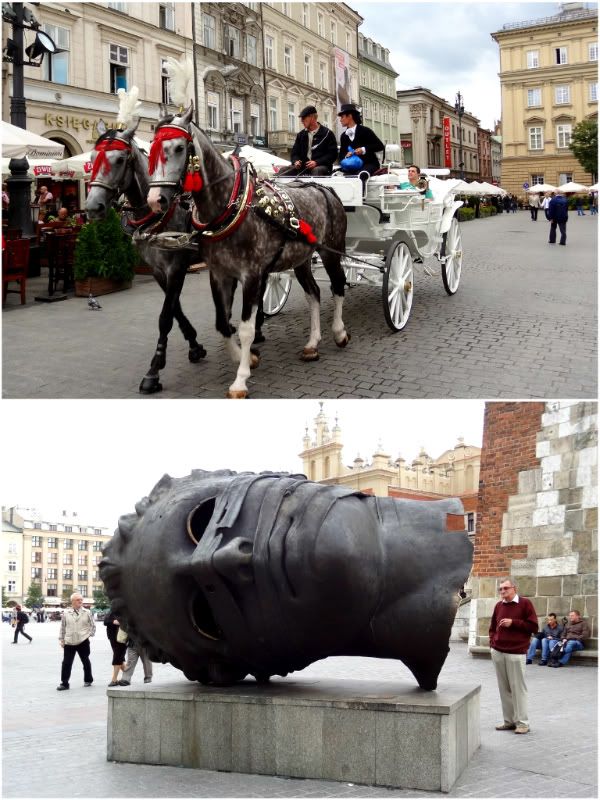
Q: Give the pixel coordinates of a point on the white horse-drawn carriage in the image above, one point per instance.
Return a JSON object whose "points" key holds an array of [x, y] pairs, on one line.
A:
{"points": [[389, 231]]}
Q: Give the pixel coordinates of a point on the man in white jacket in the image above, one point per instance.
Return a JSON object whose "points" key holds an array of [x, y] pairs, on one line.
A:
{"points": [[76, 629]]}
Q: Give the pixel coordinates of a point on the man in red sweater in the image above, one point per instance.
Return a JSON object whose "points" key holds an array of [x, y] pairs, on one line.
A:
{"points": [[513, 621]]}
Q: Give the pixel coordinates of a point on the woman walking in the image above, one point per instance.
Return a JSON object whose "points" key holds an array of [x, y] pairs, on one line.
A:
{"points": [[119, 649]]}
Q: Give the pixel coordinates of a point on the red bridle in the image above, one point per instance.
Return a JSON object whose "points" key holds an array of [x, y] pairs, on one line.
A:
{"points": [[157, 153], [102, 162]]}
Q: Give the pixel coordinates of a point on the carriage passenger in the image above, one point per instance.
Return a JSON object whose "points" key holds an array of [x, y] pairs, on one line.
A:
{"points": [[414, 175], [359, 139], [315, 148]]}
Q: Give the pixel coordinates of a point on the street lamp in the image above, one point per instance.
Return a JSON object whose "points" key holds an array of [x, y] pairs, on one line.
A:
{"points": [[19, 184], [460, 110]]}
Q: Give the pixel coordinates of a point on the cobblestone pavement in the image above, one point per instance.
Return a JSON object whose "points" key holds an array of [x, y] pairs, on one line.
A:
{"points": [[55, 742], [523, 324]]}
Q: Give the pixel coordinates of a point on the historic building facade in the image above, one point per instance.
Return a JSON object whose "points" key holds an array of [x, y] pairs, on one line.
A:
{"points": [[60, 554], [538, 512], [549, 83], [454, 473], [256, 66], [421, 115], [378, 90]]}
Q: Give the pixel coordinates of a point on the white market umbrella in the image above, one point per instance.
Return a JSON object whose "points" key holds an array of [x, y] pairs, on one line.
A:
{"points": [[573, 187], [594, 188], [541, 187], [19, 143], [80, 165], [38, 167], [260, 159], [489, 188], [471, 188]]}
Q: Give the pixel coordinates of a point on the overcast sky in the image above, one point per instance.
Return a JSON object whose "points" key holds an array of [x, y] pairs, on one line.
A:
{"points": [[446, 46], [100, 457]]}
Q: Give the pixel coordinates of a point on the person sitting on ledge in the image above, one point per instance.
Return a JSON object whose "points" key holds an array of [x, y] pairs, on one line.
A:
{"points": [[576, 630], [546, 640]]}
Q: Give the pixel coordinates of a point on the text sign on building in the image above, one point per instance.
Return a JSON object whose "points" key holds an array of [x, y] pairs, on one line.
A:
{"points": [[447, 148]]}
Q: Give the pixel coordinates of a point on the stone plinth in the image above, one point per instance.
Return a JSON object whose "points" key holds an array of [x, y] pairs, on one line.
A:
{"points": [[388, 734]]}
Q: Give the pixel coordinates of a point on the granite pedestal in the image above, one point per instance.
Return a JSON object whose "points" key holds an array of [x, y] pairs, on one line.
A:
{"points": [[375, 733]]}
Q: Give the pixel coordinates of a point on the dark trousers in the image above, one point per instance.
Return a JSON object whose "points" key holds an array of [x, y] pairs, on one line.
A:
{"points": [[291, 170], [83, 651], [534, 212], [562, 227], [19, 630]]}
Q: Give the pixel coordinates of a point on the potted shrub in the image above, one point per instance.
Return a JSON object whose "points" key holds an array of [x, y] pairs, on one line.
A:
{"points": [[105, 257]]}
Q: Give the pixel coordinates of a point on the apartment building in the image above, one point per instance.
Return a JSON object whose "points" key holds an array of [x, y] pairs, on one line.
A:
{"points": [[378, 90], [311, 57], [549, 83], [61, 554], [421, 120]]}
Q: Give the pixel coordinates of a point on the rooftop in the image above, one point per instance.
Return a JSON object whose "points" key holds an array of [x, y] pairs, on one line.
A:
{"points": [[566, 15]]}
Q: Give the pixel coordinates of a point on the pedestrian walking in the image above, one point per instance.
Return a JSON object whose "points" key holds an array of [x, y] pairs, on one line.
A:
{"points": [[534, 206], [513, 622], [558, 214], [76, 629], [134, 653], [593, 203], [119, 648], [546, 202], [21, 620], [579, 206]]}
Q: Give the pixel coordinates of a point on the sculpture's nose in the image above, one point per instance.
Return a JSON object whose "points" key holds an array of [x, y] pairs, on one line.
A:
{"points": [[234, 561]]}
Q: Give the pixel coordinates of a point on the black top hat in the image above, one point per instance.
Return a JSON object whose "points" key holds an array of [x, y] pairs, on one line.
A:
{"points": [[348, 108], [306, 112]]}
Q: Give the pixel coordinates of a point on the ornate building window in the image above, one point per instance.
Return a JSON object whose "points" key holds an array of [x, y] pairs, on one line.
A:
{"points": [[251, 50], [562, 95], [563, 135], [269, 51], [119, 64], [561, 55], [212, 111], [273, 113], [534, 97], [533, 59], [536, 140], [209, 28]]}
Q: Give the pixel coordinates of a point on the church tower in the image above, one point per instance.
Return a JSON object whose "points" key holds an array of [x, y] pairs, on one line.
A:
{"points": [[322, 455]]}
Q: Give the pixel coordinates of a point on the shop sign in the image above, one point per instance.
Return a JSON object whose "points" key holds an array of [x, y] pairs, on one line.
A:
{"points": [[406, 143]]}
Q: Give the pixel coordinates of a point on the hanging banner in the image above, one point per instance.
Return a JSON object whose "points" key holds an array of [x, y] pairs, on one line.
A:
{"points": [[447, 148], [343, 90]]}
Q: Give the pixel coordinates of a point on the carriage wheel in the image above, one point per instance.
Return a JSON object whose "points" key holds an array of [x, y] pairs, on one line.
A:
{"points": [[276, 293], [452, 250], [398, 286]]}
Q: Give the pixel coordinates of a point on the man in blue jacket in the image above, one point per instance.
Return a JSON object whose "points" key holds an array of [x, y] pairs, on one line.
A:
{"points": [[558, 214]]}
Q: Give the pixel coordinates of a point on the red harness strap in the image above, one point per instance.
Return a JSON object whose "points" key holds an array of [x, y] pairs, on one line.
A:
{"points": [[157, 153], [237, 182], [101, 162]]}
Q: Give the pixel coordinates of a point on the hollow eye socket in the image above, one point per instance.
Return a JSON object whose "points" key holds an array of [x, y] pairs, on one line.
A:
{"points": [[202, 617], [198, 519]]}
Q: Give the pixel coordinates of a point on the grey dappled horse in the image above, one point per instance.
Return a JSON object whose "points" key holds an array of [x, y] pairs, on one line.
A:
{"points": [[123, 169], [247, 247]]}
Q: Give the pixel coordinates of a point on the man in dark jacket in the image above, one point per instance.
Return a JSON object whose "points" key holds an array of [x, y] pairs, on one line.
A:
{"points": [[315, 148], [22, 620], [513, 621], [558, 213], [576, 630], [357, 137]]}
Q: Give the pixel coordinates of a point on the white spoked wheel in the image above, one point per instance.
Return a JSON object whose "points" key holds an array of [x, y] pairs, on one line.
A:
{"points": [[398, 285], [276, 293], [451, 250]]}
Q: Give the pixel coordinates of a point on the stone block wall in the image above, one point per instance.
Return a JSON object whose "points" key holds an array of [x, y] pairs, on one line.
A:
{"points": [[538, 511]]}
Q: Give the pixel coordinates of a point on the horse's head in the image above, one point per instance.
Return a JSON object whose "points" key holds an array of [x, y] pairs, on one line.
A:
{"points": [[169, 154], [112, 170]]}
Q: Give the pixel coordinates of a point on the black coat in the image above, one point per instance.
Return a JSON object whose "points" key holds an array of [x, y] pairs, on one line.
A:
{"points": [[324, 147], [363, 137]]}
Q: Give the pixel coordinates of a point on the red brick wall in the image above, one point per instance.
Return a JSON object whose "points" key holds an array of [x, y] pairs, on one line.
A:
{"points": [[509, 440]]}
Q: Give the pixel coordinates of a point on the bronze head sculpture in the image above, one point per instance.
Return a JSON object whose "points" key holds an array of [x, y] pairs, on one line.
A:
{"points": [[227, 574]]}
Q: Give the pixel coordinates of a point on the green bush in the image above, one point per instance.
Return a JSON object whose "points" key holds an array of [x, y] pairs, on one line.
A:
{"points": [[465, 214], [486, 211], [104, 250]]}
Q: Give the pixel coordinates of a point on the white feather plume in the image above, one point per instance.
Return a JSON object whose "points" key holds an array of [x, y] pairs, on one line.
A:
{"points": [[181, 74], [128, 105]]}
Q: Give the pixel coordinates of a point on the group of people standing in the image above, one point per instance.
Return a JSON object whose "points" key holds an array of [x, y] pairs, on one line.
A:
{"points": [[78, 627], [316, 150]]}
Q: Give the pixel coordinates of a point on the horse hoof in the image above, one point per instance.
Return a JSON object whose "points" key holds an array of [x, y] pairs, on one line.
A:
{"points": [[310, 354], [259, 338], [150, 385], [344, 341], [254, 360], [196, 354], [237, 395]]}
